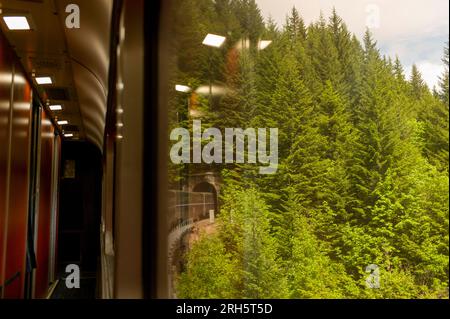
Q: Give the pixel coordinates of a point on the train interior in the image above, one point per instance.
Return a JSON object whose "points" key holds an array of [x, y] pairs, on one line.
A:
{"points": [[331, 174], [72, 124]]}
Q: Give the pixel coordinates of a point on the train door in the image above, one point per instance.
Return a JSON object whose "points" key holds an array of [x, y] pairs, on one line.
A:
{"points": [[15, 166], [43, 205]]}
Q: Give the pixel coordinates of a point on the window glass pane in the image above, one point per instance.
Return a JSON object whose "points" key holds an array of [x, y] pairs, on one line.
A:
{"points": [[306, 160]]}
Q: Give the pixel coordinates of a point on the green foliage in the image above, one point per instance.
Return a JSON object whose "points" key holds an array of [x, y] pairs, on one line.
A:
{"points": [[243, 254], [435, 115], [363, 161], [246, 220], [312, 273], [210, 271]]}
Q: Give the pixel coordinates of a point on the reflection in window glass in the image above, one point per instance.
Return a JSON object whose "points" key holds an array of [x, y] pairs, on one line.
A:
{"points": [[303, 163]]}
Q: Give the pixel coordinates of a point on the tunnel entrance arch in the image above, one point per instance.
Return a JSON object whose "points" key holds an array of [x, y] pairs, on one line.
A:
{"points": [[209, 197], [189, 212], [206, 183]]}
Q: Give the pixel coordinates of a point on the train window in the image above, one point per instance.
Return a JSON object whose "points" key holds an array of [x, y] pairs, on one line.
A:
{"points": [[242, 149], [295, 157]]}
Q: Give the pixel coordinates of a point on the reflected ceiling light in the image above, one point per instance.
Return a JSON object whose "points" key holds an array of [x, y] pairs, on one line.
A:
{"points": [[47, 123], [63, 122], [264, 44], [19, 79], [4, 105], [213, 40], [195, 113], [16, 23], [122, 33], [215, 90], [68, 135], [22, 106], [242, 44], [48, 135], [182, 88], [21, 121], [5, 78], [55, 107], [43, 80]]}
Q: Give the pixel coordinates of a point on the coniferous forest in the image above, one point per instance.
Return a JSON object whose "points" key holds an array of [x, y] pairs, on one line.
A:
{"points": [[363, 160]]}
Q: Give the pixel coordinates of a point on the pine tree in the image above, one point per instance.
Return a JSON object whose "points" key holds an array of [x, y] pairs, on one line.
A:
{"points": [[443, 83], [435, 116], [325, 56], [210, 271], [246, 229], [398, 70], [295, 26], [346, 55], [363, 161], [369, 163], [335, 126], [312, 273], [251, 21], [418, 86]]}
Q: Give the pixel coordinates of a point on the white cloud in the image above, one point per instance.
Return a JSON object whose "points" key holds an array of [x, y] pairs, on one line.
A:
{"points": [[415, 30], [398, 18], [430, 72]]}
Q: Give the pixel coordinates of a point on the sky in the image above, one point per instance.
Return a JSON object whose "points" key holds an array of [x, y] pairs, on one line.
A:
{"points": [[415, 30]]}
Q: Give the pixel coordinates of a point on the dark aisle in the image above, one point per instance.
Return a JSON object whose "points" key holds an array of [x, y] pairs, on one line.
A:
{"points": [[87, 290]]}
